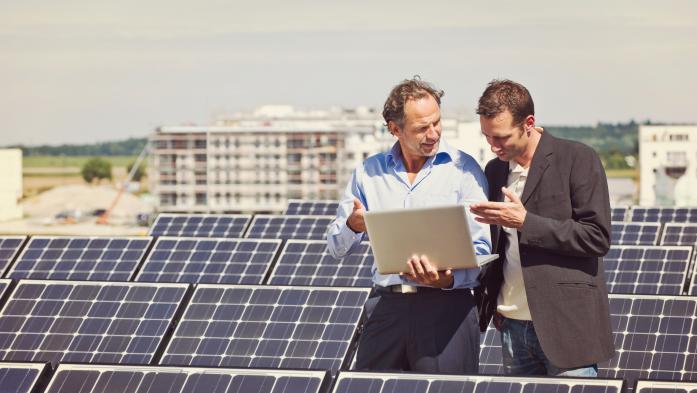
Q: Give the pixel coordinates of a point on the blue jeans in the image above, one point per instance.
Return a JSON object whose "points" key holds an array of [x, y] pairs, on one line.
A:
{"points": [[522, 353]]}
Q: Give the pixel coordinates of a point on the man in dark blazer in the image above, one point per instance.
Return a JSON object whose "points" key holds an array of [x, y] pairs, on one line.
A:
{"points": [[549, 212]]}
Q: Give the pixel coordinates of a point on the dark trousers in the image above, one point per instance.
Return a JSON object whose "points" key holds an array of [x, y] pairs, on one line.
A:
{"points": [[434, 331]]}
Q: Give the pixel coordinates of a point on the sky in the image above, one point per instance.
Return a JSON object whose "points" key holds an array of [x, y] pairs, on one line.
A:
{"points": [[91, 71]]}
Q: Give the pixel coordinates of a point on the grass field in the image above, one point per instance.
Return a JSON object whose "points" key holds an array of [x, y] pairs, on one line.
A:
{"points": [[630, 173], [71, 161]]}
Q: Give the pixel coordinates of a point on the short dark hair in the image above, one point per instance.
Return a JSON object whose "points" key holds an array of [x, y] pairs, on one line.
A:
{"points": [[408, 89], [502, 95]]}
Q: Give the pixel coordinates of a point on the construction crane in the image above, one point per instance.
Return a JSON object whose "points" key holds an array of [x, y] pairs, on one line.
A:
{"points": [[104, 218]]}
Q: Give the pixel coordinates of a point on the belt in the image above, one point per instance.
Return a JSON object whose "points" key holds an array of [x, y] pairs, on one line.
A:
{"points": [[405, 289]]}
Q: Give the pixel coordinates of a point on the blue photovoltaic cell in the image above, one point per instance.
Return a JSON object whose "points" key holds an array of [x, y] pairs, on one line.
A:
{"points": [[364, 382], [679, 235], [619, 213], [490, 352], [308, 262], [9, 246], [19, 377], [317, 208], [80, 258], [635, 233], [267, 326], [209, 260], [87, 322], [663, 214], [200, 225], [665, 387], [133, 379], [266, 226], [655, 338], [658, 270]]}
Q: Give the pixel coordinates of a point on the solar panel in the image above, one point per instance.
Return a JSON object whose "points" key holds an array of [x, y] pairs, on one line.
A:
{"points": [[665, 387], [490, 361], [320, 208], [20, 377], [307, 262], [663, 214], [692, 288], [200, 225], [80, 258], [267, 326], [655, 338], [679, 235], [133, 379], [363, 382], [4, 284], [267, 226], [209, 260], [647, 269], [635, 233], [9, 246], [618, 213], [97, 322]]}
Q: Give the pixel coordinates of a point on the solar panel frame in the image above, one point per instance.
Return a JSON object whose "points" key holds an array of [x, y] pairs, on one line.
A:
{"points": [[619, 213], [318, 207], [4, 286], [239, 222], [679, 234], [223, 264], [298, 266], [635, 233], [190, 383], [88, 321], [434, 383], [9, 248], [662, 214], [274, 226], [239, 331], [11, 372], [692, 286], [644, 328], [658, 270], [80, 258], [645, 386]]}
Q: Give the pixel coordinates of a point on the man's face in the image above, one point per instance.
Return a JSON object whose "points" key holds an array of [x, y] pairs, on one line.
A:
{"points": [[420, 135], [507, 141]]}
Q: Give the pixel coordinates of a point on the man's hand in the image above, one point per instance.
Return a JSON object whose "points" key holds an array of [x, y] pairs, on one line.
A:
{"points": [[508, 214], [421, 271], [356, 221]]}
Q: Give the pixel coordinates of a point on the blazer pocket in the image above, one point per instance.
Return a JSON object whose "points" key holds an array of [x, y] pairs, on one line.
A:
{"points": [[577, 284]]}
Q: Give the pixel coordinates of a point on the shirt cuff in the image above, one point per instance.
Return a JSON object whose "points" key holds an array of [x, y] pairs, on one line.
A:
{"points": [[347, 238]]}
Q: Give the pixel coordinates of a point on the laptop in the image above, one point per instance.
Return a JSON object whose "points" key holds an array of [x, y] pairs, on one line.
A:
{"points": [[441, 233]]}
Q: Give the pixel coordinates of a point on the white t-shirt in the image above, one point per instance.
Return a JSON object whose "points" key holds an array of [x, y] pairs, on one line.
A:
{"points": [[512, 301]]}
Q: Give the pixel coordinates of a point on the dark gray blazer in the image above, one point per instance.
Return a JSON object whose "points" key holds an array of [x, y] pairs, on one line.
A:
{"points": [[565, 234]]}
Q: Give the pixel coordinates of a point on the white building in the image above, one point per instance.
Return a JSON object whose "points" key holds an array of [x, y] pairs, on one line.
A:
{"points": [[668, 160], [256, 162], [11, 184]]}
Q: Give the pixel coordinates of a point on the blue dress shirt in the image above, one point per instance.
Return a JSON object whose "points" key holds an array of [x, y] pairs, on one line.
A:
{"points": [[449, 177]]}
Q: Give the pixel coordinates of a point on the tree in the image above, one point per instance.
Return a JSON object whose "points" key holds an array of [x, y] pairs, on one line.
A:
{"points": [[139, 173], [96, 168]]}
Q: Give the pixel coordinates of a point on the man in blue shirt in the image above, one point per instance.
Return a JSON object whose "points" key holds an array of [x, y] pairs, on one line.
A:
{"points": [[421, 320]]}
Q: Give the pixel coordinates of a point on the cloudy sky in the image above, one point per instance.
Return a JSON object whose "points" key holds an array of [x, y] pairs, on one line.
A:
{"points": [[85, 71]]}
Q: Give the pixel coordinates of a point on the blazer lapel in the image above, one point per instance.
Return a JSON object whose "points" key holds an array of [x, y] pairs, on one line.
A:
{"points": [[538, 166]]}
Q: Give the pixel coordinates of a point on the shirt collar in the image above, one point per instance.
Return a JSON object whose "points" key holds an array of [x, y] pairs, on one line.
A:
{"points": [[514, 167], [444, 154]]}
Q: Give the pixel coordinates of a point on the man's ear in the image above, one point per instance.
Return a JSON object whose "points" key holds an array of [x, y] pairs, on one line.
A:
{"points": [[529, 124], [394, 129]]}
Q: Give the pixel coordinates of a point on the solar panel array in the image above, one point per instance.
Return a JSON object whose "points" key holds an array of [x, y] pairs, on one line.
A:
{"points": [[79, 321], [490, 361], [269, 226], [647, 269], [80, 258], [209, 260], [308, 262], [665, 387], [318, 208], [100, 379], [267, 326], [618, 213], [663, 214], [679, 235], [20, 377], [635, 233], [364, 382], [200, 225], [9, 246]]}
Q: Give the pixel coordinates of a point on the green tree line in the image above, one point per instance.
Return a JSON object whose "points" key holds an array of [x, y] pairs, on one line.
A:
{"points": [[128, 147]]}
